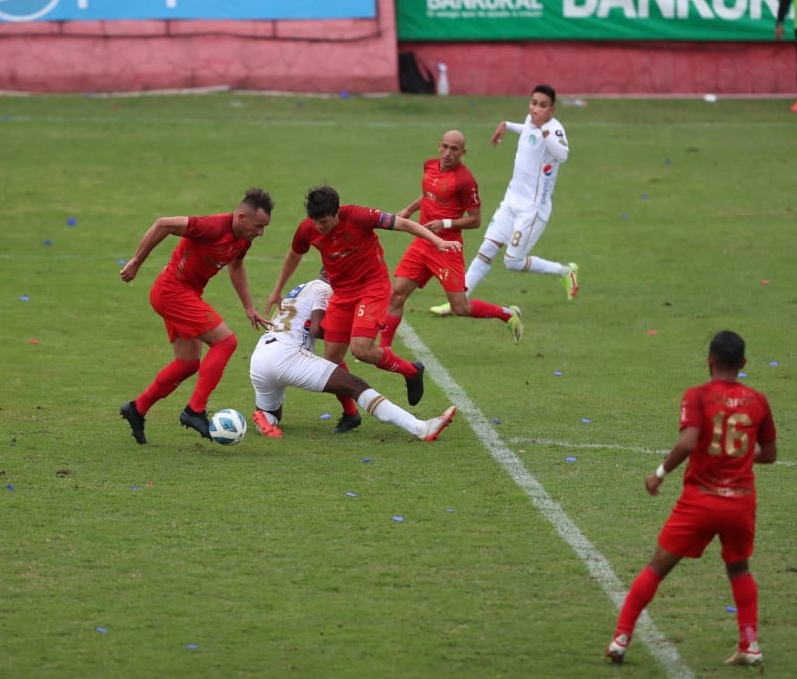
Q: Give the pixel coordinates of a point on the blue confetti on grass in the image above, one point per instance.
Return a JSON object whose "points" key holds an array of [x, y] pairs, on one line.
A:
{"points": [[773, 364], [71, 221], [584, 420], [324, 416], [48, 242], [398, 519], [121, 262], [558, 373], [367, 460], [191, 647], [644, 196], [451, 510], [24, 298], [742, 374], [134, 487], [350, 494], [9, 487], [100, 629], [570, 459], [496, 420], [730, 609], [623, 216]]}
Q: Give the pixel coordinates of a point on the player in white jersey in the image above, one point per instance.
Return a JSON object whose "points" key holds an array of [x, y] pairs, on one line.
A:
{"points": [[523, 214], [284, 358]]}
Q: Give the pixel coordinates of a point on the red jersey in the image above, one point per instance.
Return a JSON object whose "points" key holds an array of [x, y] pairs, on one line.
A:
{"points": [[351, 252], [207, 246], [447, 194], [732, 418]]}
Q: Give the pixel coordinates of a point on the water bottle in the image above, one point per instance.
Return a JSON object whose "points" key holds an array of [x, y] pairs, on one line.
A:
{"points": [[442, 80]]}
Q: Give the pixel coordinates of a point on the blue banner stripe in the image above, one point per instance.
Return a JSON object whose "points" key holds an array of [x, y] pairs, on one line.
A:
{"points": [[113, 10]]}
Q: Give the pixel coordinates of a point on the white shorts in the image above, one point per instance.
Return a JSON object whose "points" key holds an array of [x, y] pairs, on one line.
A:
{"points": [[518, 229], [275, 366]]}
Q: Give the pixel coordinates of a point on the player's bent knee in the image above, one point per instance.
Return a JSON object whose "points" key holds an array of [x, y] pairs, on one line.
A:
{"points": [[514, 263]]}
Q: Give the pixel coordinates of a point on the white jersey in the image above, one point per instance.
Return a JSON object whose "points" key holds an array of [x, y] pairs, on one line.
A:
{"points": [[536, 167], [292, 321]]}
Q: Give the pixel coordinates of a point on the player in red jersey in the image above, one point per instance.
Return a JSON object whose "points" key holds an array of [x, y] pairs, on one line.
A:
{"points": [[725, 427], [355, 264], [449, 203], [207, 245]]}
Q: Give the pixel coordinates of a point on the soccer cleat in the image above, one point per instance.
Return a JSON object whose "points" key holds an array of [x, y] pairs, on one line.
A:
{"points": [[441, 309], [433, 427], [515, 324], [196, 421], [135, 419], [615, 651], [751, 656], [264, 427], [570, 281], [347, 423], [415, 385]]}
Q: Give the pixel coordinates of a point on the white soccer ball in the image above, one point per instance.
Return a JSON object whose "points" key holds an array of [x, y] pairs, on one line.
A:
{"points": [[227, 427]]}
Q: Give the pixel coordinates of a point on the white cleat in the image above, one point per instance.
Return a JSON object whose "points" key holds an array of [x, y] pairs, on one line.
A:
{"points": [[434, 426], [441, 309], [751, 657]]}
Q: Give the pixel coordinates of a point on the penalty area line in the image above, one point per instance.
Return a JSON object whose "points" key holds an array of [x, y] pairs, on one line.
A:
{"points": [[596, 564]]}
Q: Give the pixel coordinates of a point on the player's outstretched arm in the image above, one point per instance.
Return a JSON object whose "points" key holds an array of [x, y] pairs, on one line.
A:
{"points": [[241, 284], [403, 224], [162, 227], [292, 260], [411, 209]]}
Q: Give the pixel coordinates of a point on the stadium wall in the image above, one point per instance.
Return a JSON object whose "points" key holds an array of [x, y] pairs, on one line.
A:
{"points": [[360, 56], [610, 68], [356, 55]]}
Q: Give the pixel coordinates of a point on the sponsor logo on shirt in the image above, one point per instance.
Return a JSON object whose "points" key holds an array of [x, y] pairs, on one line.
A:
{"points": [[547, 169]]}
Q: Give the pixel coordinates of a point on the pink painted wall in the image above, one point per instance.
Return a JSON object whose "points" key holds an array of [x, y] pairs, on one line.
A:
{"points": [[362, 56], [615, 67], [297, 56]]}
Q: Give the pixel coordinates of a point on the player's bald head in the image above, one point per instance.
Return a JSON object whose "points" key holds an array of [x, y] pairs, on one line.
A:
{"points": [[455, 138]]}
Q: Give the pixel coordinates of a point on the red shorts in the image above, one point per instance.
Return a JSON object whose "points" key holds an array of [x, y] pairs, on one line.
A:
{"points": [[698, 517], [420, 263], [360, 315], [185, 314]]}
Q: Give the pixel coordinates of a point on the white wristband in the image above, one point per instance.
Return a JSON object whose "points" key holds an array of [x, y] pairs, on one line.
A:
{"points": [[447, 223], [661, 472]]}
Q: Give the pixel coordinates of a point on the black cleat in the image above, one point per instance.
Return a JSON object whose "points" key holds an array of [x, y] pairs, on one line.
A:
{"points": [[347, 423], [196, 421], [135, 419], [415, 385]]}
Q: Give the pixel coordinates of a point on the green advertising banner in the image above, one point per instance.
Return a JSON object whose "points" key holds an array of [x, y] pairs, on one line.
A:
{"points": [[495, 20]]}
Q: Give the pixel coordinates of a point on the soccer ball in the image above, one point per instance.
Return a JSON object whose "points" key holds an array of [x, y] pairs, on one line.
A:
{"points": [[227, 427]]}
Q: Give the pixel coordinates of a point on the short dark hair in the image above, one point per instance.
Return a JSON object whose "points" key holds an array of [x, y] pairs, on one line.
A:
{"points": [[545, 89], [322, 201], [727, 350], [259, 200]]}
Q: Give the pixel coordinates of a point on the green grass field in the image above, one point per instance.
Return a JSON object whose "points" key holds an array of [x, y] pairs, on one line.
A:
{"points": [[521, 525]]}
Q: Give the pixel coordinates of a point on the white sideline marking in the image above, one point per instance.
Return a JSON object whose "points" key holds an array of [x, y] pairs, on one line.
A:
{"points": [[660, 648]]}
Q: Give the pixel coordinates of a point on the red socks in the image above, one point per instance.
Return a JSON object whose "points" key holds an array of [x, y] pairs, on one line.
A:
{"points": [[396, 364], [210, 371], [481, 309], [166, 381], [642, 591], [348, 403], [745, 595]]}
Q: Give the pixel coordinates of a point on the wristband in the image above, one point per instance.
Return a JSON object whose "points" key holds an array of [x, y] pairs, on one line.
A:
{"points": [[447, 223], [661, 472]]}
